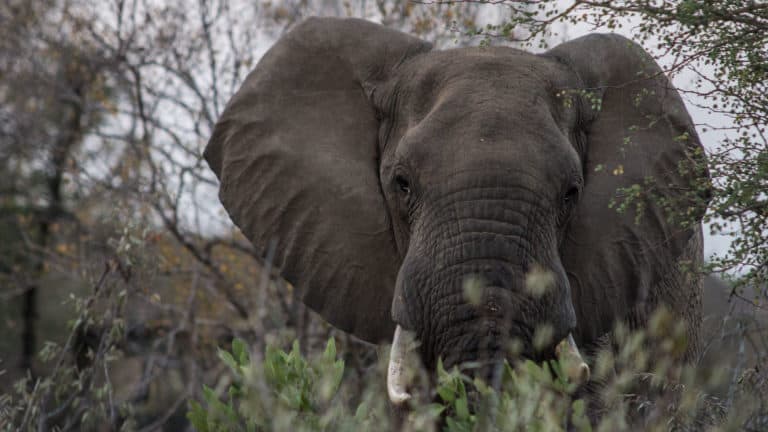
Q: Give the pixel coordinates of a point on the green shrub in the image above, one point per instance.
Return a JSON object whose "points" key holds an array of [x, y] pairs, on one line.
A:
{"points": [[297, 387], [287, 391], [636, 387]]}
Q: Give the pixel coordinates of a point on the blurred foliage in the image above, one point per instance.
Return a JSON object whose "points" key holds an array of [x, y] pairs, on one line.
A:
{"points": [[297, 390], [274, 393]]}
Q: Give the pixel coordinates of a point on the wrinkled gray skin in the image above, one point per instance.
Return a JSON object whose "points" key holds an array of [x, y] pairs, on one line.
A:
{"points": [[389, 172]]}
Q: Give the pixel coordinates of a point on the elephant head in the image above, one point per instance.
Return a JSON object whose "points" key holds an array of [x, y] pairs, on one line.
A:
{"points": [[389, 174]]}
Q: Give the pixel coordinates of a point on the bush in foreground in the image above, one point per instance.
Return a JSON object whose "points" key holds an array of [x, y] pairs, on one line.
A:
{"points": [[286, 391]]}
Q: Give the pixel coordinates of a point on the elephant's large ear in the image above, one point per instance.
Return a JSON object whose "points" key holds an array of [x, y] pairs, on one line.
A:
{"points": [[637, 132], [296, 151]]}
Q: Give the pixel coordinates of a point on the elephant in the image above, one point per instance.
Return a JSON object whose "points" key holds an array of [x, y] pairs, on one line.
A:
{"points": [[384, 174]]}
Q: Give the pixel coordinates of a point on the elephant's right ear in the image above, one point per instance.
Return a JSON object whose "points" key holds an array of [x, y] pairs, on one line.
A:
{"points": [[296, 152], [638, 137]]}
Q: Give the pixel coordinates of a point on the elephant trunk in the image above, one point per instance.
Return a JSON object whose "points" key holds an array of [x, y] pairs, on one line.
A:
{"points": [[463, 286], [475, 314]]}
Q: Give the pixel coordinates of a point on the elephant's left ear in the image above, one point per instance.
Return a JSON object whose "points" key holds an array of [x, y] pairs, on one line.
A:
{"points": [[642, 151]]}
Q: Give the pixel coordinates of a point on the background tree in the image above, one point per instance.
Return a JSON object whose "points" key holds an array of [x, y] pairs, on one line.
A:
{"points": [[52, 91]]}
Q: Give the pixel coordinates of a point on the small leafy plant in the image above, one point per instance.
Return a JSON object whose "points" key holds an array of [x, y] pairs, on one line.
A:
{"points": [[634, 387], [290, 383], [536, 397], [287, 391]]}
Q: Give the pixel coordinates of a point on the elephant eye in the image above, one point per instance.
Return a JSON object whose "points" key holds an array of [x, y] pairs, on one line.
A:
{"points": [[571, 196], [403, 184]]}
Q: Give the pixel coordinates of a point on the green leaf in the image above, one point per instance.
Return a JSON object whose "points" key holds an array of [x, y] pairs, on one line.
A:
{"points": [[462, 389], [198, 416], [240, 351], [361, 413], [462, 408], [435, 409], [330, 350], [228, 360], [446, 394], [579, 416]]}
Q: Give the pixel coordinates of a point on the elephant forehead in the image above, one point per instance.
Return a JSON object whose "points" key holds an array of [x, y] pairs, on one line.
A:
{"points": [[498, 76], [456, 137], [498, 102], [452, 138]]}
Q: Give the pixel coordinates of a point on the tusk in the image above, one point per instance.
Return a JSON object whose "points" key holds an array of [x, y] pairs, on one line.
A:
{"points": [[576, 369], [395, 375]]}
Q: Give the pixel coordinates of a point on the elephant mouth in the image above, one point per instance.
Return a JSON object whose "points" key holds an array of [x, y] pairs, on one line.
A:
{"points": [[566, 351]]}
